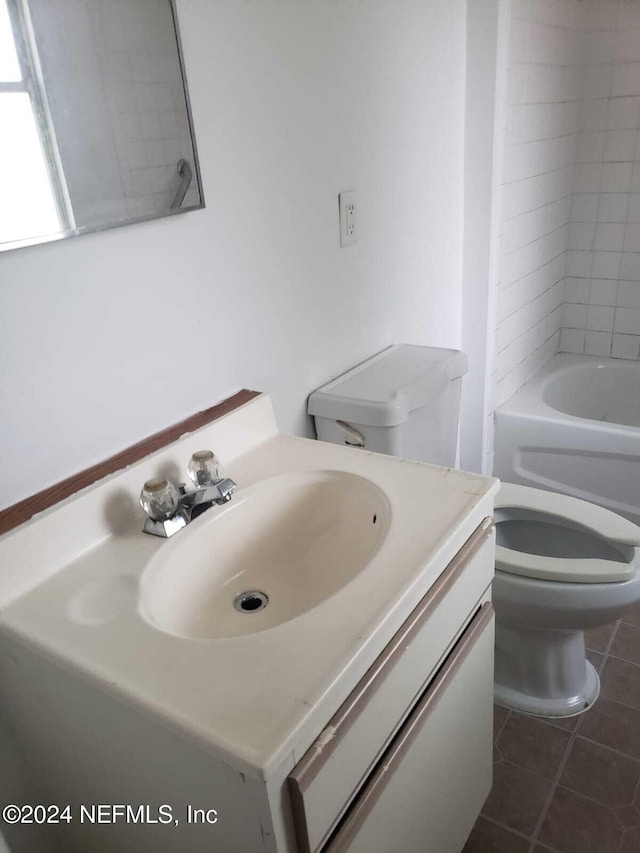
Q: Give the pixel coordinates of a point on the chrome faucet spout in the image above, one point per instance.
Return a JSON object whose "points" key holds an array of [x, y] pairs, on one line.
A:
{"points": [[218, 492]]}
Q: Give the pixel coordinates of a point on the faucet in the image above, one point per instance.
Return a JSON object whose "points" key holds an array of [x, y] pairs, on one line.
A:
{"points": [[170, 507]]}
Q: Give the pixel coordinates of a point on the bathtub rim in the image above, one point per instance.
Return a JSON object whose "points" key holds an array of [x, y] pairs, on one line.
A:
{"points": [[528, 401]]}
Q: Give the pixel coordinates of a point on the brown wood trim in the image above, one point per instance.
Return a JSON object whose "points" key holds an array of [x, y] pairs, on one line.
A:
{"points": [[19, 513], [312, 762], [409, 732]]}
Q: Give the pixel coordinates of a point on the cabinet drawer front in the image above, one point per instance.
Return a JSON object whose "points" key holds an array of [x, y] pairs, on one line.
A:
{"points": [[431, 783], [330, 773]]}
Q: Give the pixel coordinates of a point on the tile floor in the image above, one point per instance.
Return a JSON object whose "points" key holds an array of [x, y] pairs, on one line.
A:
{"points": [[572, 785]]}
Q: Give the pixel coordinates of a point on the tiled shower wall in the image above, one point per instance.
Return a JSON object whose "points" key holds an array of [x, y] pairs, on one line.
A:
{"points": [[601, 314], [569, 269], [541, 117]]}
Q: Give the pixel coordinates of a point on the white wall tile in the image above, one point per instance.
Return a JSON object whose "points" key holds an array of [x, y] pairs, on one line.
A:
{"points": [[579, 264], [598, 343], [603, 291], [584, 207], [587, 178], [613, 207], [626, 79], [622, 113], [606, 264], [619, 146], [600, 318], [594, 115], [626, 346], [572, 340], [574, 316], [582, 235], [609, 237], [590, 146], [634, 208], [576, 290], [628, 294], [630, 266], [635, 178], [632, 237], [627, 46], [627, 321], [616, 177]]}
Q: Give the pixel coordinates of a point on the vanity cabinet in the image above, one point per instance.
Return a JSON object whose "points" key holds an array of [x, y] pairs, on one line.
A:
{"points": [[363, 724], [409, 753]]}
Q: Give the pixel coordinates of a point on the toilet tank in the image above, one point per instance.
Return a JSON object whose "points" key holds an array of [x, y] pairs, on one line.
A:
{"points": [[405, 401]]}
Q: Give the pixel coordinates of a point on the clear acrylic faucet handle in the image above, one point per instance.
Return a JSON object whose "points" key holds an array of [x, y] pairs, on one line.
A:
{"points": [[159, 499], [204, 468]]}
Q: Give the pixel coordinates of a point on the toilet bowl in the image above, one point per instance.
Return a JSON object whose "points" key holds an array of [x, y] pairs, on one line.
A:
{"points": [[563, 565]]}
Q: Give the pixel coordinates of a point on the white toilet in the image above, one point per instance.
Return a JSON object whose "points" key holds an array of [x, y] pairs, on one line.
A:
{"points": [[562, 565]]}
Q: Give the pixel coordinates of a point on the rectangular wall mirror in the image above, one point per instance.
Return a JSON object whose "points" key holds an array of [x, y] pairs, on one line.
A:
{"points": [[95, 118]]}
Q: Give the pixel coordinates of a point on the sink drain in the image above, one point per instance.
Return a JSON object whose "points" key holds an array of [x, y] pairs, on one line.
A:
{"points": [[251, 602]]}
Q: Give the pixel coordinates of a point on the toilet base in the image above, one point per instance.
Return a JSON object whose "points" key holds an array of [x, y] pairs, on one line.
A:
{"points": [[544, 673]]}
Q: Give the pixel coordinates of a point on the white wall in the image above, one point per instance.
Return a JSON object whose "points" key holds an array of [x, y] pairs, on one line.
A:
{"points": [[540, 132], [602, 293], [107, 338]]}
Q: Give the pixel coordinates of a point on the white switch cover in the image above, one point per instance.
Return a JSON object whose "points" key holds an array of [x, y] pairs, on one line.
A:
{"points": [[348, 230]]}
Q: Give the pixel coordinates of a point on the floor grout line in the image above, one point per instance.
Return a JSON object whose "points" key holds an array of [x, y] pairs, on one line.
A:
{"points": [[554, 785], [609, 749], [508, 829], [497, 734]]}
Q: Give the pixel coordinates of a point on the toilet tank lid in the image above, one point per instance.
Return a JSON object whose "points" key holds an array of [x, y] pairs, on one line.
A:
{"points": [[385, 389]]}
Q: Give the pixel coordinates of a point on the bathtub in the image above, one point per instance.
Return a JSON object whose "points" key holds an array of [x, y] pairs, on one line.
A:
{"points": [[575, 428]]}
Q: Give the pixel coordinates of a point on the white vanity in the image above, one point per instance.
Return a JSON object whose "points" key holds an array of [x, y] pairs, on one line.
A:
{"points": [[353, 711]]}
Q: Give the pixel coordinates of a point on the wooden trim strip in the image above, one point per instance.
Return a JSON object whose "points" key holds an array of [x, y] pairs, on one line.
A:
{"points": [[312, 762], [20, 512], [409, 732]]}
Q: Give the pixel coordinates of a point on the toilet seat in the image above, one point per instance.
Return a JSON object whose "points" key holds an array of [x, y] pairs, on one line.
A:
{"points": [[515, 502]]}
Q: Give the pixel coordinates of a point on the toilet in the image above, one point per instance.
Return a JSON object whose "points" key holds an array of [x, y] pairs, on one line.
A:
{"points": [[563, 565]]}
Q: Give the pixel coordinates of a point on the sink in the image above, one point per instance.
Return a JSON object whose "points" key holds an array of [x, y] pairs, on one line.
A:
{"points": [[280, 548]]}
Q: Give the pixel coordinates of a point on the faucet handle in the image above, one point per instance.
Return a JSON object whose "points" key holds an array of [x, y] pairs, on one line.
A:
{"points": [[204, 469], [159, 499]]}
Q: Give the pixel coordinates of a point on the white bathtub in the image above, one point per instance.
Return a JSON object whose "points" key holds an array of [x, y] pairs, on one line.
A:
{"points": [[575, 428]]}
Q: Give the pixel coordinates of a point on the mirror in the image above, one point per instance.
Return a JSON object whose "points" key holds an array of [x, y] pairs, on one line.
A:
{"points": [[96, 128]]}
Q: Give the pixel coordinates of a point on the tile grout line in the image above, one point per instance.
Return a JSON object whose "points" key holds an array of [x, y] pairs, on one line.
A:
{"points": [[607, 748], [518, 833], [554, 786], [625, 828], [497, 734]]}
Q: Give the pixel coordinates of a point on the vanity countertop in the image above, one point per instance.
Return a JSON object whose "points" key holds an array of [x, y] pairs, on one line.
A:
{"points": [[254, 700]]}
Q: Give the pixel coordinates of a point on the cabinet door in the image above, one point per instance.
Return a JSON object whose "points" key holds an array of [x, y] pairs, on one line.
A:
{"points": [[427, 790], [331, 773]]}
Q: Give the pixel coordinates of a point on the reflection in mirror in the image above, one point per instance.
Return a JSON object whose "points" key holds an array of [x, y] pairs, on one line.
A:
{"points": [[96, 126]]}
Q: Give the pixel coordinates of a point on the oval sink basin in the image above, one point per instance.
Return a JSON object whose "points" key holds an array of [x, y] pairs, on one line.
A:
{"points": [[276, 550]]}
